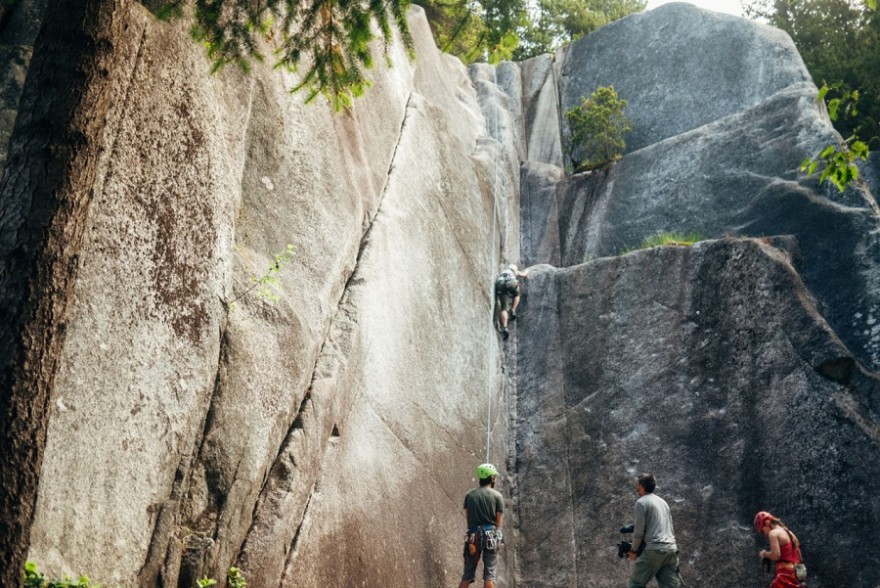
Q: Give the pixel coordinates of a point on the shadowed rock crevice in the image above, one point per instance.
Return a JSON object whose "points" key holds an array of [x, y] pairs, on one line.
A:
{"points": [[191, 549], [162, 565], [291, 551]]}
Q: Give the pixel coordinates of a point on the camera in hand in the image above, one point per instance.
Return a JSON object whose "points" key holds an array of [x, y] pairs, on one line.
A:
{"points": [[624, 547]]}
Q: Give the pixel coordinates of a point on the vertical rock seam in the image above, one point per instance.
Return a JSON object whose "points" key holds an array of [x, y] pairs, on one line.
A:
{"points": [[278, 483]]}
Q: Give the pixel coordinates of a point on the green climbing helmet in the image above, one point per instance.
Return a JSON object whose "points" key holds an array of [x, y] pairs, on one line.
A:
{"points": [[486, 470]]}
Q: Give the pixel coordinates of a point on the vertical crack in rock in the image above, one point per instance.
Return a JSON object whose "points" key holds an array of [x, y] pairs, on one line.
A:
{"points": [[509, 387], [162, 565], [365, 239], [170, 547], [295, 542], [307, 438], [154, 571], [572, 499]]}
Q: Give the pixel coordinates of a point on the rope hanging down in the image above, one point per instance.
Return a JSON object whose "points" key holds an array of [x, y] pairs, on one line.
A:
{"points": [[492, 269]]}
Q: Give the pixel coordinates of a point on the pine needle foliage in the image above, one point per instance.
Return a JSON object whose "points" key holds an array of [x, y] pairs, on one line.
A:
{"points": [[457, 28], [327, 42]]}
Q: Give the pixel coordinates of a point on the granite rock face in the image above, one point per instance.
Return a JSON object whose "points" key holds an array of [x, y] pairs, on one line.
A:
{"points": [[680, 68], [741, 372], [711, 367], [294, 438], [713, 162], [739, 176], [18, 29], [327, 437]]}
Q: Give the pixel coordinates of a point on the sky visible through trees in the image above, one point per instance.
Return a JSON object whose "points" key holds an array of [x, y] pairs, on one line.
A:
{"points": [[728, 6]]}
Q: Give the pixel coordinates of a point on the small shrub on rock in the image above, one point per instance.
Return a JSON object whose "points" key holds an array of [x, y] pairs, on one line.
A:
{"points": [[596, 129]]}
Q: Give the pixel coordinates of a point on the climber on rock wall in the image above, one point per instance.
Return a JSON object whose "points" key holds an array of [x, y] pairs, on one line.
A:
{"points": [[507, 296]]}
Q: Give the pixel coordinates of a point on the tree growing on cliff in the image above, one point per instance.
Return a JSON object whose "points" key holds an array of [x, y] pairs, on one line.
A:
{"points": [[327, 41], [597, 128]]}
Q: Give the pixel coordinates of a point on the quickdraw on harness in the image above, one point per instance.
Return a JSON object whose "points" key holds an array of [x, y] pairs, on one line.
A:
{"points": [[483, 538]]}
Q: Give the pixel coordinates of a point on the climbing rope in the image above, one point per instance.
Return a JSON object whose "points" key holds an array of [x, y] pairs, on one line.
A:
{"points": [[492, 271]]}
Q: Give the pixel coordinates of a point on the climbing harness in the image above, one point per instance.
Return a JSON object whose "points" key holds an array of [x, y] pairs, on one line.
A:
{"points": [[483, 538]]}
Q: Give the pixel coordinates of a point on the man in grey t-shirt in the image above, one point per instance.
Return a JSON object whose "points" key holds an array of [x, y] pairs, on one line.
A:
{"points": [[653, 526], [484, 510]]}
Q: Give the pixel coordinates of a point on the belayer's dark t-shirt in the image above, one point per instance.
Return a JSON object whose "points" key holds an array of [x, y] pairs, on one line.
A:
{"points": [[482, 503]]}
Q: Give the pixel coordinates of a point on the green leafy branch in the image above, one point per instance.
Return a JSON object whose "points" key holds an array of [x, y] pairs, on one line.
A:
{"points": [[503, 50], [597, 128], [234, 579], [838, 163], [34, 579], [268, 282]]}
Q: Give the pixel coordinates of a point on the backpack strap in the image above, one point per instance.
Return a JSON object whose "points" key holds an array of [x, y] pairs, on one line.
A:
{"points": [[797, 544]]}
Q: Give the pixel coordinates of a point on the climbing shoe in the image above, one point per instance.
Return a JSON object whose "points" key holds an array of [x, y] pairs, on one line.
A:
{"points": [[513, 316], [504, 333]]}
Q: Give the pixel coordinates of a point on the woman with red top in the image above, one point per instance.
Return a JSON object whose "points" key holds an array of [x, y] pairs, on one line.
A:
{"points": [[785, 550]]}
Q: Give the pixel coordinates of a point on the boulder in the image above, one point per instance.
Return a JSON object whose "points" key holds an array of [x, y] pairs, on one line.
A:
{"points": [[726, 163], [739, 371], [681, 67]]}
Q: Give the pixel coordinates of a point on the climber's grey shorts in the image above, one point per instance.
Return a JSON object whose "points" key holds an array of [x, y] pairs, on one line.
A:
{"points": [[490, 558]]}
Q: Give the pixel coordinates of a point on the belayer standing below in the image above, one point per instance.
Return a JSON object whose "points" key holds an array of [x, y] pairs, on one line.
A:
{"points": [[507, 296], [653, 525], [785, 551], [484, 509]]}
